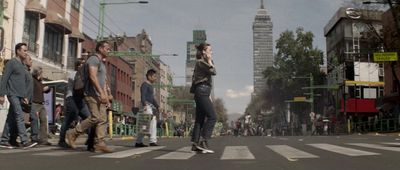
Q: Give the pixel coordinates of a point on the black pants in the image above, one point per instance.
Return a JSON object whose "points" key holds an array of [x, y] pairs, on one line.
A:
{"points": [[205, 114]]}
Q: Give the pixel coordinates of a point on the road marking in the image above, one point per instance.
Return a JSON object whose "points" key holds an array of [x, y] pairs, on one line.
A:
{"points": [[28, 150], [391, 143], [237, 152], [182, 153], [374, 146], [290, 153], [130, 152], [342, 150], [59, 153]]}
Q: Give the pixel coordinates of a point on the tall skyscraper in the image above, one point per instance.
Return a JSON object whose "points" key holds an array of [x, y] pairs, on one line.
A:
{"points": [[199, 36], [262, 48]]}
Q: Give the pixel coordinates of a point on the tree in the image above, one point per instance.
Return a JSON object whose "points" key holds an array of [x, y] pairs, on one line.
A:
{"points": [[182, 100], [221, 111], [296, 57]]}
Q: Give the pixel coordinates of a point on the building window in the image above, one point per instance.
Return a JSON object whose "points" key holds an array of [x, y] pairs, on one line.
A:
{"points": [[30, 31], [53, 44], [72, 53], [76, 4]]}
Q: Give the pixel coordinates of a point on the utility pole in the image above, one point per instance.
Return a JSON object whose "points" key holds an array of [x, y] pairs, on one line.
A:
{"points": [[312, 92], [103, 4]]}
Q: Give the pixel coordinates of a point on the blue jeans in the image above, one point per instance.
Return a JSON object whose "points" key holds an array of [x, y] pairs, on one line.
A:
{"points": [[15, 121], [75, 106], [204, 109]]}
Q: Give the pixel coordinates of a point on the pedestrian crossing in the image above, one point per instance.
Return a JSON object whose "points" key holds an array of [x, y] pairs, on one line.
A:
{"points": [[291, 153]]}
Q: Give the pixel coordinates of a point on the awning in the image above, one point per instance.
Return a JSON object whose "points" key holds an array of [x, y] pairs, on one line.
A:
{"points": [[34, 6], [77, 34], [58, 21]]}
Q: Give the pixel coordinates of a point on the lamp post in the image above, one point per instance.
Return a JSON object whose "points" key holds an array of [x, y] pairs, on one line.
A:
{"points": [[102, 12]]}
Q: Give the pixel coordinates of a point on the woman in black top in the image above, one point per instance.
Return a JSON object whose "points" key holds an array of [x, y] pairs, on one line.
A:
{"points": [[205, 114]]}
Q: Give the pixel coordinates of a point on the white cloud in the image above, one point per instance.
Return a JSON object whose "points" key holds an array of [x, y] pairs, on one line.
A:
{"points": [[239, 93]]}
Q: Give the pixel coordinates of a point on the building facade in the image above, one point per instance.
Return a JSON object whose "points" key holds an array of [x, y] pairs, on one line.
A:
{"points": [[199, 36], [165, 85], [262, 48], [351, 39]]}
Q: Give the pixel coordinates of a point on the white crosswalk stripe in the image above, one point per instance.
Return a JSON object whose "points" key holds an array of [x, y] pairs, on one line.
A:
{"points": [[180, 154], [391, 143], [343, 150], [375, 146], [64, 152], [59, 153], [29, 150], [237, 153], [130, 152], [290, 153]]}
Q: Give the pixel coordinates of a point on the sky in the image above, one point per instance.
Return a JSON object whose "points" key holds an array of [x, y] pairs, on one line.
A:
{"points": [[228, 25]]}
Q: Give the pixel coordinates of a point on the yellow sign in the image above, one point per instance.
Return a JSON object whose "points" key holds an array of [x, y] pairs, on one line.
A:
{"points": [[299, 99], [386, 56]]}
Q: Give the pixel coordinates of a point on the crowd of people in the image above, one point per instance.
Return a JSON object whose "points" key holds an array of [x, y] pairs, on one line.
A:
{"points": [[88, 96]]}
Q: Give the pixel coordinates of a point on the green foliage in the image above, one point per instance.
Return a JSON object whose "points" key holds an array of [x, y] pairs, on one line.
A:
{"points": [[295, 57], [221, 111]]}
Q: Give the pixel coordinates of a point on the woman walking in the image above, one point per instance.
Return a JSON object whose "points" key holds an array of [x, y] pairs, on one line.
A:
{"points": [[201, 87]]}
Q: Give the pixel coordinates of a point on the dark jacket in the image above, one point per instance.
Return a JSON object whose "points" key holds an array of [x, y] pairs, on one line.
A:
{"points": [[203, 72]]}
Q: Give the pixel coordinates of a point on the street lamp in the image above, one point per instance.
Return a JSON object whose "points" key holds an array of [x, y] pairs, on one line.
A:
{"points": [[102, 11]]}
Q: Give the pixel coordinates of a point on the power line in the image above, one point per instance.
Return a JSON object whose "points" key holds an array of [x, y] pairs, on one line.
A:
{"points": [[80, 12]]}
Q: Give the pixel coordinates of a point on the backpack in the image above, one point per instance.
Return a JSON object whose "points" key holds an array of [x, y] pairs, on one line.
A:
{"points": [[79, 81]]}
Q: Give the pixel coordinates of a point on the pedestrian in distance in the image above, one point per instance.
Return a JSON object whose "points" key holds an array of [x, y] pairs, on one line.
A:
{"points": [[150, 106], [14, 85], [201, 87]]}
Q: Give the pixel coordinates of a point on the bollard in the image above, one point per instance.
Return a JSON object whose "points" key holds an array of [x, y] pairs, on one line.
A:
{"points": [[166, 129], [110, 124], [348, 126]]}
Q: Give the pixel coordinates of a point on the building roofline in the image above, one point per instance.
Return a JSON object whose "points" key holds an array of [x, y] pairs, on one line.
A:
{"points": [[371, 15]]}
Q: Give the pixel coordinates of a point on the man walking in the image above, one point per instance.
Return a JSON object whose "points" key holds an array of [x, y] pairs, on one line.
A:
{"points": [[96, 99], [148, 102], [13, 84], [75, 103], [38, 113]]}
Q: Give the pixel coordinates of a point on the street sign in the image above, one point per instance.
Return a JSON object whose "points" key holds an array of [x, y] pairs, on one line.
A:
{"points": [[386, 56], [299, 99]]}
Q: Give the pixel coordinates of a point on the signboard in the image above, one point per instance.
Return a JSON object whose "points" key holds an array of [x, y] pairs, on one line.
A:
{"points": [[49, 105], [386, 56], [299, 99]]}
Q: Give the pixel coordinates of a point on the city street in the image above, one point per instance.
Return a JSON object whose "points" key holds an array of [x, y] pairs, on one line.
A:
{"points": [[233, 153]]}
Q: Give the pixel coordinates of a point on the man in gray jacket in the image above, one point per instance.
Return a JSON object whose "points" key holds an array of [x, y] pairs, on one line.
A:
{"points": [[13, 84]]}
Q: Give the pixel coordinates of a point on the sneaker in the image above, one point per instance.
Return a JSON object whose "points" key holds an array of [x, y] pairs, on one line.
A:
{"points": [[206, 149], [102, 148], [6, 145], [29, 145], [195, 149], [70, 138], [153, 144], [140, 145]]}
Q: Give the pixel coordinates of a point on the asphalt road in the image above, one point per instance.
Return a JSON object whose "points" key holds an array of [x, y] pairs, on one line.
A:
{"points": [[231, 153]]}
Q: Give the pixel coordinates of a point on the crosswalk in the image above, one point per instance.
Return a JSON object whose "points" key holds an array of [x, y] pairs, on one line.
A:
{"points": [[291, 153]]}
